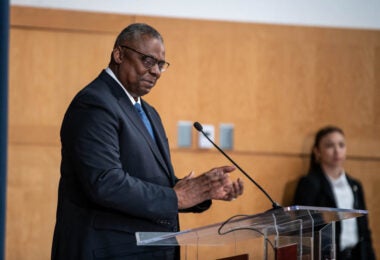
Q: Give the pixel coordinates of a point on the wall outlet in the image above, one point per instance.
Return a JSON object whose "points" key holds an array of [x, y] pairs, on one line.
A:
{"points": [[226, 136], [203, 143], [184, 134]]}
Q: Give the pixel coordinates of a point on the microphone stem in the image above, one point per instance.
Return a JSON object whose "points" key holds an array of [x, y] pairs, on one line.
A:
{"points": [[275, 205]]}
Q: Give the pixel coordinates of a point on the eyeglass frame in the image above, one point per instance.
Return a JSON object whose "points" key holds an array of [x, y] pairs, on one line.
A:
{"points": [[164, 64]]}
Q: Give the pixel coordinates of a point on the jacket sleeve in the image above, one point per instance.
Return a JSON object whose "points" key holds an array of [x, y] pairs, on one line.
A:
{"points": [[307, 191], [365, 232], [205, 205]]}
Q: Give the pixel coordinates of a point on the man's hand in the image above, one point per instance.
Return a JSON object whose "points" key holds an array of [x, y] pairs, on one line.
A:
{"points": [[214, 184], [233, 191]]}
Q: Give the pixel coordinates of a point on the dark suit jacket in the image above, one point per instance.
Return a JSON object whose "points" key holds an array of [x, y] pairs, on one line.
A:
{"points": [[314, 189], [115, 180]]}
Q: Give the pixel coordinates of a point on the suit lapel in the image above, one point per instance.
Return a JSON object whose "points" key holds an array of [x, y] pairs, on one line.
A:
{"points": [[354, 188], [135, 118], [328, 190], [161, 141], [132, 114], [136, 121]]}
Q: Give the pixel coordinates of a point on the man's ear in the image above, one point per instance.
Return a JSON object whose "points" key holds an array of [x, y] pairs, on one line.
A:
{"points": [[117, 55]]}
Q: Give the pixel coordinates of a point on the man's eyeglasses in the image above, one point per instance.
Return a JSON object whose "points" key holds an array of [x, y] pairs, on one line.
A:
{"points": [[149, 61]]}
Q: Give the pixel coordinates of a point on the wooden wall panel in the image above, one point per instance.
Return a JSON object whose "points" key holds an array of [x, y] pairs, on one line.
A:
{"points": [[85, 22], [273, 82], [276, 84], [49, 66], [32, 197]]}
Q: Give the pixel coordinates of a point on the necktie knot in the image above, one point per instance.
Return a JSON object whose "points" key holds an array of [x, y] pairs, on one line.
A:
{"points": [[138, 107]]}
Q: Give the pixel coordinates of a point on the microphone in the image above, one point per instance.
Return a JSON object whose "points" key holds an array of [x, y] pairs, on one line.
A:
{"points": [[199, 127]]}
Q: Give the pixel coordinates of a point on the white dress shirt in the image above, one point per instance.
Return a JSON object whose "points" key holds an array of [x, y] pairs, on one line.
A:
{"points": [[344, 198]]}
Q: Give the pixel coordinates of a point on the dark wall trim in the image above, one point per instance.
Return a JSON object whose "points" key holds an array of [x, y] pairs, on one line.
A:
{"points": [[4, 47]]}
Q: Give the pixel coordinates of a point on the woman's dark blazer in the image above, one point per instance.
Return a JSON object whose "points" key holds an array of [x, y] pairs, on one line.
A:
{"points": [[314, 189], [115, 180]]}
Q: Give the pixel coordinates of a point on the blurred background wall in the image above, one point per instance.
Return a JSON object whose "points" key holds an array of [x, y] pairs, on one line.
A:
{"points": [[276, 81]]}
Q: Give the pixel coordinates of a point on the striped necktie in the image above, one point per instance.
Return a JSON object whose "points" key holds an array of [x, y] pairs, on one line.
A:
{"points": [[145, 119]]}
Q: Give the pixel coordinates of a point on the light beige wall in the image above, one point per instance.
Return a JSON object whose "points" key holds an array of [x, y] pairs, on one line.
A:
{"points": [[276, 84]]}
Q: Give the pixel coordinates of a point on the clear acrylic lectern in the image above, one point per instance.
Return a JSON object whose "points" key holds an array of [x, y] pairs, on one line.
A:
{"points": [[295, 232]]}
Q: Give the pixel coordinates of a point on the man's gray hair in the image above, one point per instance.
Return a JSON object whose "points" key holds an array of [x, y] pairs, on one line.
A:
{"points": [[135, 31]]}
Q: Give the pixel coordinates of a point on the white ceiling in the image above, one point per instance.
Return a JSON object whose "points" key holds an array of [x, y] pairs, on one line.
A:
{"points": [[331, 13]]}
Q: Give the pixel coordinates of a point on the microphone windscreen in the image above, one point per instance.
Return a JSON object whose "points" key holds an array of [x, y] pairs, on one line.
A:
{"points": [[198, 126]]}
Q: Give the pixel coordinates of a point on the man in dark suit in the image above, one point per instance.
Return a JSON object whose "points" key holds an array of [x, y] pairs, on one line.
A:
{"points": [[116, 172]]}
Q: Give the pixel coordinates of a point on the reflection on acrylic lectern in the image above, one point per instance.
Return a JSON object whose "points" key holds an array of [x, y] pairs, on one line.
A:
{"points": [[295, 232]]}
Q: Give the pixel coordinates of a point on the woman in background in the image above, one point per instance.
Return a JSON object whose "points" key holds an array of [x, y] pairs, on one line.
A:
{"points": [[328, 185]]}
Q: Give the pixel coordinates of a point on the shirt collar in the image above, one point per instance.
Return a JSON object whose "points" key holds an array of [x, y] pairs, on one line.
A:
{"points": [[110, 72], [341, 180]]}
